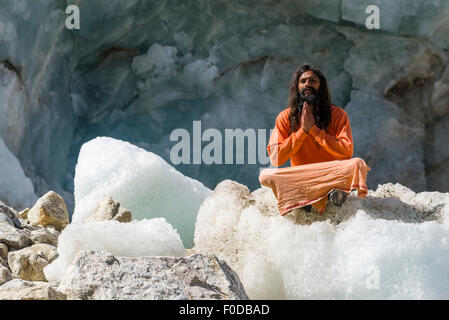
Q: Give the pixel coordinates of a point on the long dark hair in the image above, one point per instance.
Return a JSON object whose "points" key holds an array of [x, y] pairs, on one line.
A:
{"points": [[322, 113]]}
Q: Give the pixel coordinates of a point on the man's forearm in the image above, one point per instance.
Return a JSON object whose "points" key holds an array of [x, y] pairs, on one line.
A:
{"points": [[341, 146], [280, 152]]}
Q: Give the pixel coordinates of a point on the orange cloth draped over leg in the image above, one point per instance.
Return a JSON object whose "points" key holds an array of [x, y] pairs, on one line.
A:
{"points": [[302, 185]]}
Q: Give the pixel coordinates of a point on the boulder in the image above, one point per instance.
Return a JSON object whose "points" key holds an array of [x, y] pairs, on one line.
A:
{"points": [[3, 262], [18, 289], [45, 235], [98, 275], [6, 218], [5, 275], [9, 215], [13, 237], [3, 251], [49, 210], [28, 263], [108, 209], [23, 214], [7, 210]]}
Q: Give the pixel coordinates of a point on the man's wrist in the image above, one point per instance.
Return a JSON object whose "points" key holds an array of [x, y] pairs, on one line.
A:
{"points": [[301, 134], [314, 130]]}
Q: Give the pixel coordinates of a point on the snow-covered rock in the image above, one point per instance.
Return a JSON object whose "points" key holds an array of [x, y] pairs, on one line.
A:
{"points": [[140, 180], [394, 244], [99, 275], [154, 237]]}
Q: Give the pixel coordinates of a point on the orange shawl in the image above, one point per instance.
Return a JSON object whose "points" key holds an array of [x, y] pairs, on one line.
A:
{"points": [[302, 185]]}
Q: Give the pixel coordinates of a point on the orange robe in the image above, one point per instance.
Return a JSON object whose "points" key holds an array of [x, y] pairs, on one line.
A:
{"points": [[317, 145], [320, 159]]}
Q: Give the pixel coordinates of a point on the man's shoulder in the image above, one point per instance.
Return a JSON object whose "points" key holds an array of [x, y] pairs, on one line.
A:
{"points": [[283, 115], [282, 120], [337, 111], [335, 108]]}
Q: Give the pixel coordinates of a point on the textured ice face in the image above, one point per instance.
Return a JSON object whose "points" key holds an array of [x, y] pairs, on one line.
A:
{"points": [[15, 187], [137, 70], [392, 245], [141, 181]]}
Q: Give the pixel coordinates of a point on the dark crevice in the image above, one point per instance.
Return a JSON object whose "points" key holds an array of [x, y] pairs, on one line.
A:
{"points": [[112, 50], [16, 69]]}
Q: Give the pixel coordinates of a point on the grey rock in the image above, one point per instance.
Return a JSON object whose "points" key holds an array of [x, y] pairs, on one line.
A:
{"points": [[45, 235], [29, 263], [3, 262], [3, 251], [13, 237], [99, 275], [23, 214], [49, 210], [5, 275], [17, 223], [30, 228], [6, 218], [18, 289], [7, 212]]}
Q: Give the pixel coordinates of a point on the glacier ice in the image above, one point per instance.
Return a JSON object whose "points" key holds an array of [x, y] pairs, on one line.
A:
{"points": [[137, 70], [405, 136], [15, 188], [147, 237], [392, 245], [140, 180], [404, 17]]}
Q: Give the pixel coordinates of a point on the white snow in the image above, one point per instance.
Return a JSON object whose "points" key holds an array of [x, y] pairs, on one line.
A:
{"points": [[392, 245], [160, 60], [154, 237], [140, 180], [15, 188]]}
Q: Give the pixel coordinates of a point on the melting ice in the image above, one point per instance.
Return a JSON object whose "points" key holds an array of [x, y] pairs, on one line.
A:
{"points": [[394, 244]]}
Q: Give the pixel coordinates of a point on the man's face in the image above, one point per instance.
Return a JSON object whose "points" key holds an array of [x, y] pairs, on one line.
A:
{"points": [[308, 81]]}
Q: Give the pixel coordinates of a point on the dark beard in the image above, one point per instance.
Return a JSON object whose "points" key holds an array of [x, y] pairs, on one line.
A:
{"points": [[312, 99]]}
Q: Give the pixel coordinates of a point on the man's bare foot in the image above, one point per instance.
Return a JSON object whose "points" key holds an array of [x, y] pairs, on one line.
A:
{"points": [[337, 197]]}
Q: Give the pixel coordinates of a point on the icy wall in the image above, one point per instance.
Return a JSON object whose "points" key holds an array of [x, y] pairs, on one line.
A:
{"points": [[136, 70]]}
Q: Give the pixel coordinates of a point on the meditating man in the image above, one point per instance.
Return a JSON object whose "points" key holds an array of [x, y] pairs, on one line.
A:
{"points": [[316, 136]]}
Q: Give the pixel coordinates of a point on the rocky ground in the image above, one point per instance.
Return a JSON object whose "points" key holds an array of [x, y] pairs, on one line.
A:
{"points": [[29, 241], [236, 253]]}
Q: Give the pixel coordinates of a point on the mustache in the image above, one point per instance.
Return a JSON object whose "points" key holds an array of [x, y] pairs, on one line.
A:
{"points": [[311, 89]]}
